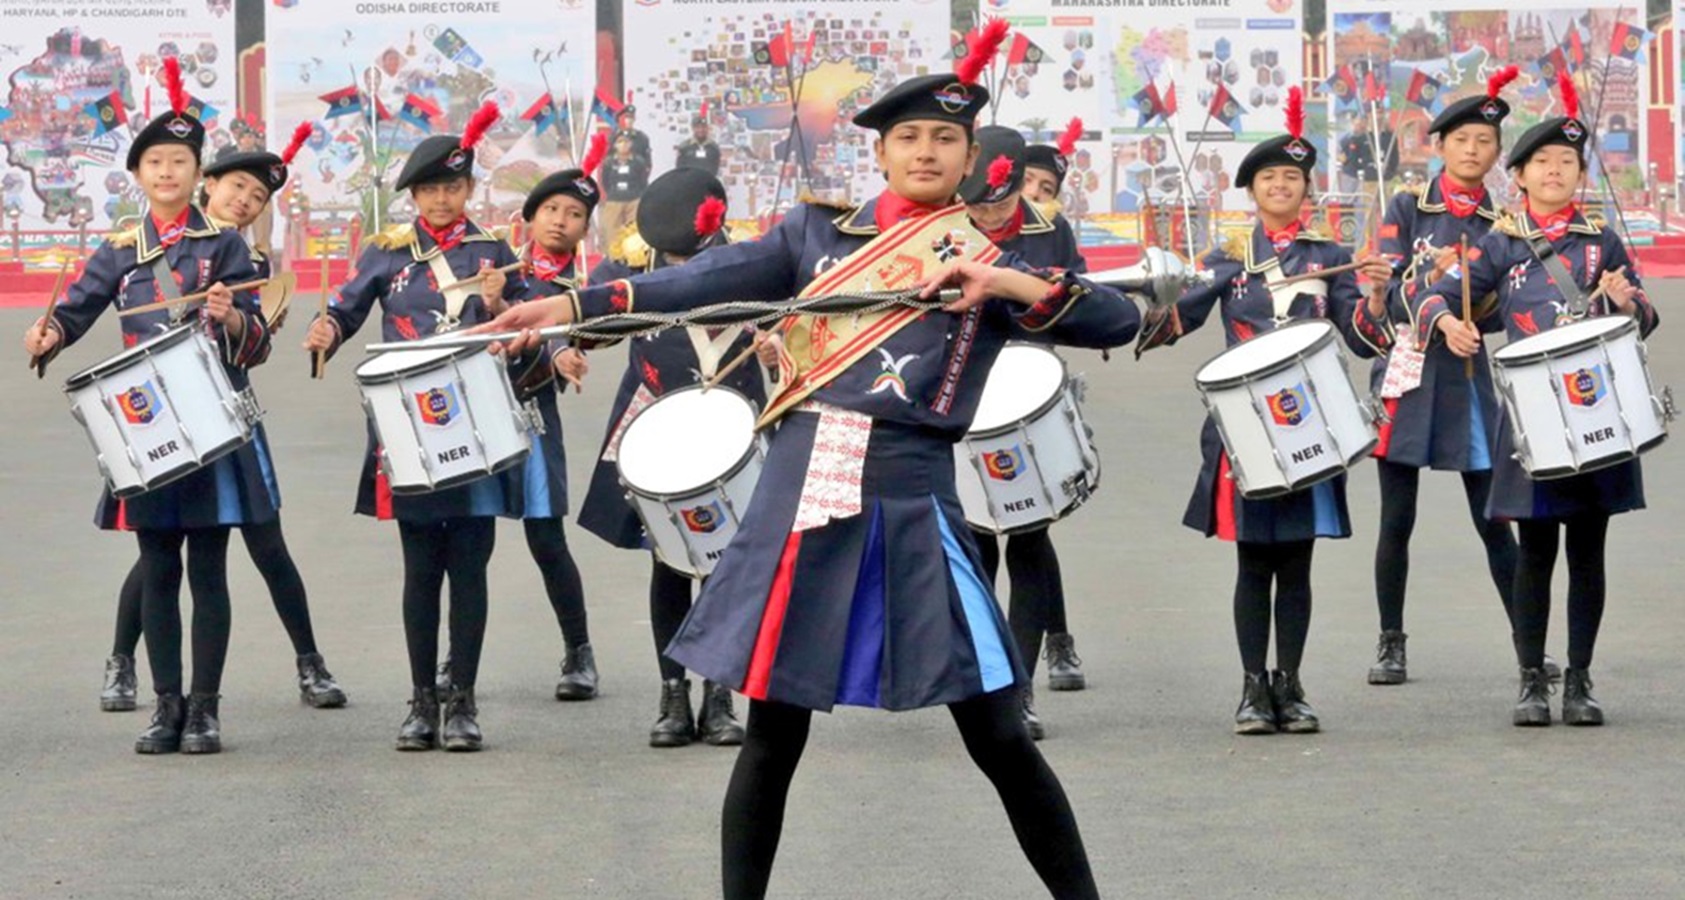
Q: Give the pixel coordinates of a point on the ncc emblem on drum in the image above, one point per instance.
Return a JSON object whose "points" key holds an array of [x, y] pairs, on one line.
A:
{"points": [[1004, 464], [1289, 406], [437, 405], [703, 519], [139, 404], [1585, 387]]}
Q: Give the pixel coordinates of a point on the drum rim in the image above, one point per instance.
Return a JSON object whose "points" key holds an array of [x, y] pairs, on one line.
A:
{"points": [[1279, 365], [727, 475], [453, 354], [129, 354], [1623, 325], [1052, 400]]}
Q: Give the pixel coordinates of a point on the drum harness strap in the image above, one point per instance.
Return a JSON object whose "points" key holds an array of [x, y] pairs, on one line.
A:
{"points": [[455, 299], [1566, 286], [168, 286]]}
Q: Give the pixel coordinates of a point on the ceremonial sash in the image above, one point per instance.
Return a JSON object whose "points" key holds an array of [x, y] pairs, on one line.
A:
{"points": [[818, 348]]}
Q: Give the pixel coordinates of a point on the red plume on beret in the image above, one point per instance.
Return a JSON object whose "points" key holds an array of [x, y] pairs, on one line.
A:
{"points": [[1570, 96], [172, 82], [709, 216], [1000, 171], [300, 135], [594, 154], [1501, 78], [1296, 112], [980, 55], [1068, 140], [483, 118]]}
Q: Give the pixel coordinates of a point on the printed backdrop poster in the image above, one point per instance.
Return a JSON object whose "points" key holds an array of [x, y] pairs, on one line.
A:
{"points": [[750, 63], [377, 79], [79, 79]]}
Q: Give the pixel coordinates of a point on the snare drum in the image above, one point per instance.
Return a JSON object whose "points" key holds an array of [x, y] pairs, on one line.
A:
{"points": [[1028, 459], [1579, 397], [444, 416], [1286, 409], [161, 410], [689, 462]]}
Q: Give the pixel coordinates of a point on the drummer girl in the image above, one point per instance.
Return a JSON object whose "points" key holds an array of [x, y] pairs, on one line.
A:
{"points": [[175, 251], [1274, 537], [1514, 260], [681, 214], [237, 190], [853, 578], [449, 532]]}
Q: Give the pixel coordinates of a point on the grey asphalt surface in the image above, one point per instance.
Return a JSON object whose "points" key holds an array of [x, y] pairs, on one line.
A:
{"points": [[1423, 790]]}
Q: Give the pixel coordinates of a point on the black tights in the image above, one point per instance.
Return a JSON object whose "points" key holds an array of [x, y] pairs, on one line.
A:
{"points": [[992, 727], [1586, 536], [460, 548], [268, 550], [1288, 567], [1037, 589], [549, 546], [669, 603], [207, 576], [1398, 520]]}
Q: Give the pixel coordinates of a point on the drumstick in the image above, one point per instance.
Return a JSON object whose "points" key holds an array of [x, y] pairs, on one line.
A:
{"points": [[476, 279], [1468, 304], [1320, 273], [190, 298], [730, 367], [38, 363], [319, 359]]}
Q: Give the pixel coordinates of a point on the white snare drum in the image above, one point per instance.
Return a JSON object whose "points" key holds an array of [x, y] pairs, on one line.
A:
{"points": [[1028, 459], [689, 462], [1286, 409], [160, 410], [1579, 397], [443, 416]]}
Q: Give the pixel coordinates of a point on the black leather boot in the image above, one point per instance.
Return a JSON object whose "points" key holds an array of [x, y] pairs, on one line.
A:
{"points": [[1532, 708], [202, 733], [1553, 669], [677, 725], [579, 674], [442, 683], [1064, 667], [718, 723], [164, 734], [316, 685], [1292, 714], [1032, 722], [1579, 707], [1389, 667], [118, 694], [462, 728], [1256, 713], [420, 730]]}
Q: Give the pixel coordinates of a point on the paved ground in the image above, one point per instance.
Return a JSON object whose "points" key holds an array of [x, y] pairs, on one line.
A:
{"points": [[1418, 791]]}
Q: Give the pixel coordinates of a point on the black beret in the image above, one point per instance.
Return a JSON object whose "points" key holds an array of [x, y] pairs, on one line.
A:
{"points": [[572, 182], [260, 164], [667, 210], [1281, 150], [943, 98], [437, 158], [994, 142]]}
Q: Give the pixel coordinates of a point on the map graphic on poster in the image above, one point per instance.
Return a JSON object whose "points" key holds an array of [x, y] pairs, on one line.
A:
{"points": [[746, 61], [377, 82], [78, 84]]}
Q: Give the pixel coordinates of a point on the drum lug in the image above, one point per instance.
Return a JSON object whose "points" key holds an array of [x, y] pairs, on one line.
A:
{"points": [[529, 418], [247, 408], [1079, 388], [1664, 406]]}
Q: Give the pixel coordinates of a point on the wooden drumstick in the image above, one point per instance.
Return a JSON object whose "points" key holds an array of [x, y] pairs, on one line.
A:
{"points": [[39, 363], [1320, 273], [1468, 303], [190, 298], [319, 359], [476, 279], [730, 367]]}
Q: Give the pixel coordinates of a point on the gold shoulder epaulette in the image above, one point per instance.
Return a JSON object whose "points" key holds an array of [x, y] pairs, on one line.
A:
{"points": [[125, 238], [1414, 190], [810, 197], [394, 237], [630, 248], [1233, 246], [1049, 208], [1508, 224]]}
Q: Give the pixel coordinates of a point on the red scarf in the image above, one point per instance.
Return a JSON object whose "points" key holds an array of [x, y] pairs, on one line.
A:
{"points": [[893, 208], [169, 233], [547, 266], [1009, 230], [1554, 225], [447, 237], [1461, 201], [1284, 238]]}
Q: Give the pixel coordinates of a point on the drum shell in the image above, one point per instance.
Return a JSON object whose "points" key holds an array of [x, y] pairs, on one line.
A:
{"points": [[1555, 437], [1270, 454], [488, 431], [199, 416]]}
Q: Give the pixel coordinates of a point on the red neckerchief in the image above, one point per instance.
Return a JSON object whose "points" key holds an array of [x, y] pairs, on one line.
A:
{"points": [[547, 266], [1284, 238], [893, 208], [1461, 201], [1009, 230], [1554, 225], [171, 232], [448, 237]]}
